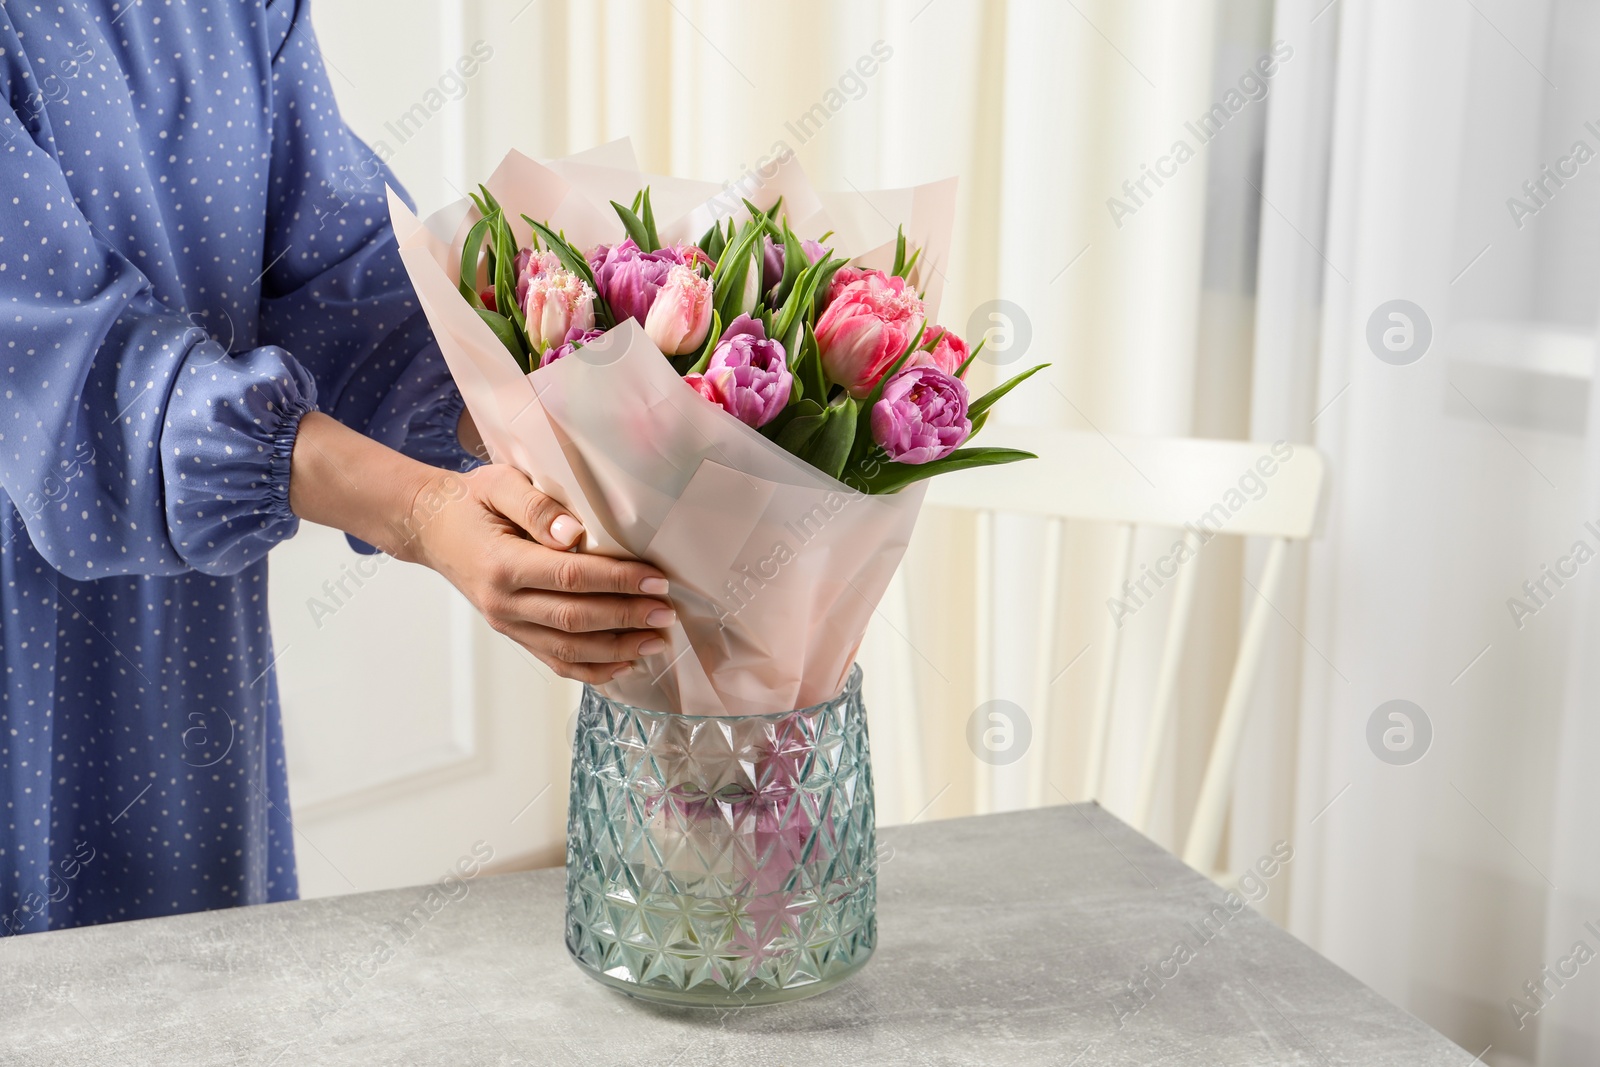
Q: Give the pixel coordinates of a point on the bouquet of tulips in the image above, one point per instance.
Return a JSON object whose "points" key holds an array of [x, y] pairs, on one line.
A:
{"points": [[742, 390], [839, 365]]}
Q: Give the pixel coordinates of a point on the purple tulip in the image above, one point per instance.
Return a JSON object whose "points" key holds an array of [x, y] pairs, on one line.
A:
{"points": [[629, 279], [922, 415], [576, 339], [772, 260], [771, 264], [748, 374]]}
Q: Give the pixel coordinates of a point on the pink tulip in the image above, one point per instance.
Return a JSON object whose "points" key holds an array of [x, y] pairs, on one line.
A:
{"points": [[528, 265], [689, 255], [698, 383], [947, 354], [846, 276], [558, 302], [748, 375], [680, 315], [865, 328]]}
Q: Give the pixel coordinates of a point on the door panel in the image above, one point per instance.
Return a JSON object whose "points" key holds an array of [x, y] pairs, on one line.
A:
{"points": [[413, 730]]}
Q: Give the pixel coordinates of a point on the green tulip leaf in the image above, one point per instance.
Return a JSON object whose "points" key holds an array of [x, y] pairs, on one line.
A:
{"points": [[794, 265], [797, 435], [911, 264], [830, 448], [811, 365], [648, 217], [633, 225], [830, 267], [786, 328], [796, 408], [507, 333], [729, 296], [805, 364], [987, 400], [737, 255], [505, 279], [893, 477], [709, 347], [470, 253], [961, 371], [712, 242]]}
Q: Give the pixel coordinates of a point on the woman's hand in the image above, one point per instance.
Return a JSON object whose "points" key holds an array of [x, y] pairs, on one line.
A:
{"points": [[584, 616]]}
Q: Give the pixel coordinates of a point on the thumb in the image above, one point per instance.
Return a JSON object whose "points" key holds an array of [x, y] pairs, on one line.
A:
{"points": [[545, 519]]}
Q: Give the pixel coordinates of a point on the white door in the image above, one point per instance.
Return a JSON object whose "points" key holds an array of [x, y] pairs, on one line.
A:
{"points": [[413, 730]]}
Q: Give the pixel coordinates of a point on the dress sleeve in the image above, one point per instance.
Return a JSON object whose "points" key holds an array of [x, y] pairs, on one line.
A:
{"points": [[336, 293], [130, 442]]}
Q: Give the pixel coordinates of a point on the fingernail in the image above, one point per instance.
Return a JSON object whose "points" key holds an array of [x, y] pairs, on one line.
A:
{"points": [[661, 617], [653, 586], [652, 646], [620, 671], [565, 529]]}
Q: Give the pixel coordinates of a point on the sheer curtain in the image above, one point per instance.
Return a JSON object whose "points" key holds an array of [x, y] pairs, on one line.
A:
{"points": [[1459, 476], [1568, 1022]]}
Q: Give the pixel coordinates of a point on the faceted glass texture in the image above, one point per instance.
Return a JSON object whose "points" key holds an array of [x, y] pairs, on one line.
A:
{"points": [[721, 860]]}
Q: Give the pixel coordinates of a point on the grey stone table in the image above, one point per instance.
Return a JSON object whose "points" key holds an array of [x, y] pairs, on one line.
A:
{"points": [[1004, 939]]}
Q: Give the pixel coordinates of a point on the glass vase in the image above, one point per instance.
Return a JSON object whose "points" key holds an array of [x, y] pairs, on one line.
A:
{"points": [[727, 860]]}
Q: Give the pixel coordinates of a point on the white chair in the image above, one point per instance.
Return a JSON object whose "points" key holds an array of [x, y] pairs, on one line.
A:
{"points": [[1129, 482]]}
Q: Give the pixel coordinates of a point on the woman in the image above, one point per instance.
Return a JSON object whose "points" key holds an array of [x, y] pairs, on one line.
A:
{"points": [[207, 335]]}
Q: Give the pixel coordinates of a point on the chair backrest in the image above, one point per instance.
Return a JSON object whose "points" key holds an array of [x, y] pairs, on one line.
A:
{"points": [[1204, 489]]}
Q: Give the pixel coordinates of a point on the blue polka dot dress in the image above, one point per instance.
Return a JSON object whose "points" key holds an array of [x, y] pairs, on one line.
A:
{"points": [[194, 252]]}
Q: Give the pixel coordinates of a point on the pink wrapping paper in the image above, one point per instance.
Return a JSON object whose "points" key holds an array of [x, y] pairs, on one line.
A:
{"points": [[775, 568]]}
